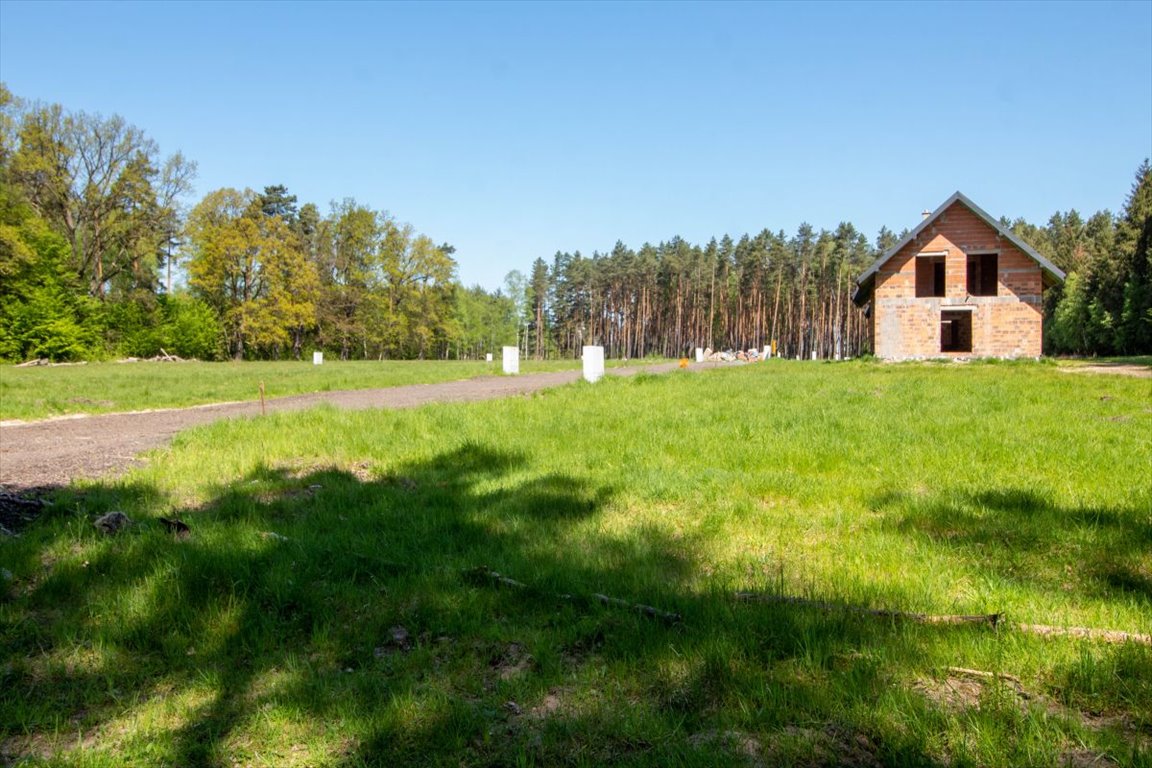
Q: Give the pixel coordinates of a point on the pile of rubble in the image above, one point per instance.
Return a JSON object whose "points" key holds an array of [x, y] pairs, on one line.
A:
{"points": [[730, 356], [45, 361], [163, 357]]}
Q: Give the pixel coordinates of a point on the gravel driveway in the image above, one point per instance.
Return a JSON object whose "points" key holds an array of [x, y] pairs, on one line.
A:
{"points": [[47, 454]]}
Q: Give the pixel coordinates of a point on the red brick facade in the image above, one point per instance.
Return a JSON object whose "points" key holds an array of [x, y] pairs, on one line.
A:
{"points": [[957, 324]]}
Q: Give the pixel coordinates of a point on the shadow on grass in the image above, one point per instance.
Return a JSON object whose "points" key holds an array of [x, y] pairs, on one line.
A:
{"points": [[321, 615], [1022, 536]]}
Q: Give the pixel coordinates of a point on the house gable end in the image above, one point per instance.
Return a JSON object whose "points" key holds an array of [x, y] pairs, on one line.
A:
{"points": [[866, 282]]}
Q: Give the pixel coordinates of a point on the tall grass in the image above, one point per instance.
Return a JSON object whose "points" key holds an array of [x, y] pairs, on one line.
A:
{"points": [[325, 610]]}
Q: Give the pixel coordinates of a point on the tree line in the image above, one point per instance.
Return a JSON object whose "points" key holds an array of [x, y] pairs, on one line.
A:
{"points": [[794, 292], [1104, 306], [94, 222], [103, 254], [666, 299]]}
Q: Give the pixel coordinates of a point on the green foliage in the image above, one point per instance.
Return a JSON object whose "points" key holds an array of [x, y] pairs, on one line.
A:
{"points": [[1066, 330], [1134, 318], [191, 328], [1105, 306], [43, 313], [134, 326], [51, 322], [387, 291], [252, 269], [110, 203], [485, 322]]}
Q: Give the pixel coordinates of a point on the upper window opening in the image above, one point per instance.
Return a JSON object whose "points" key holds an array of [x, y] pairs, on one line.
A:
{"points": [[982, 268], [929, 276]]}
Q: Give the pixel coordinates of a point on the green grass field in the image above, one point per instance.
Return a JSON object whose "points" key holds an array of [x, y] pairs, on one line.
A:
{"points": [[42, 392], [326, 610]]}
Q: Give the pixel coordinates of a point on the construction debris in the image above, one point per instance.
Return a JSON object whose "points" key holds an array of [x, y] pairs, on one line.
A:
{"points": [[732, 356], [46, 361], [163, 357]]}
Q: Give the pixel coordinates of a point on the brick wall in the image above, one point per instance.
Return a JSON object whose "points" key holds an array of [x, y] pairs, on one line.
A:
{"points": [[1005, 325]]}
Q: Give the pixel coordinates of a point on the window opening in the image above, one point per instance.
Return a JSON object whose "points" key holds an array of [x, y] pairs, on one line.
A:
{"points": [[929, 276], [982, 269], [955, 331]]}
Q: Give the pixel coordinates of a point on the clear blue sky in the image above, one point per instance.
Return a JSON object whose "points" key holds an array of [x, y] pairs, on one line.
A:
{"points": [[516, 130]]}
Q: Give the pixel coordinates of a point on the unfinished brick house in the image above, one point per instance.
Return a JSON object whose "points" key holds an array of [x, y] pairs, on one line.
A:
{"points": [[959, 285]]}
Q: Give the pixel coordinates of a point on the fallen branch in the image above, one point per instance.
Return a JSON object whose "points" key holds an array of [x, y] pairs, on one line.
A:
{"points": [[491, 575], [485, 574], [991, 619], [164, 357], [647, 610], [982, 674], [1105, 635]]}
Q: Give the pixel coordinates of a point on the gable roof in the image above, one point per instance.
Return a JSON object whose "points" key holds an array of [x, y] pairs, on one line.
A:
{"points": [[1050, 272]]}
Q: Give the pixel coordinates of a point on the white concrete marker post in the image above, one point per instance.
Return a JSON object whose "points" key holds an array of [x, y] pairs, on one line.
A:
{"points": [[699, 355], [767, 352], [511, 360], [593, 358], [488, 357], [317, 358]]}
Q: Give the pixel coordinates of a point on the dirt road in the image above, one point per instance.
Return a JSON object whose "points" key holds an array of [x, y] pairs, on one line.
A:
{"points": [[47, 454]]}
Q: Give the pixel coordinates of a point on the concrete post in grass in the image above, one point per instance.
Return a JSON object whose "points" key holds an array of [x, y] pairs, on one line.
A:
{"points": [[317, 358], [511, 360], [699, 355], [488, 357], [767, 352], [593, 358]]}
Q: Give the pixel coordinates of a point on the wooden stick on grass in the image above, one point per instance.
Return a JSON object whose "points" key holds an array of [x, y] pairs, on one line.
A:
{"points": [[486, 574], [1106, 635], [647, 610], [991, 619], [965, 672]]}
